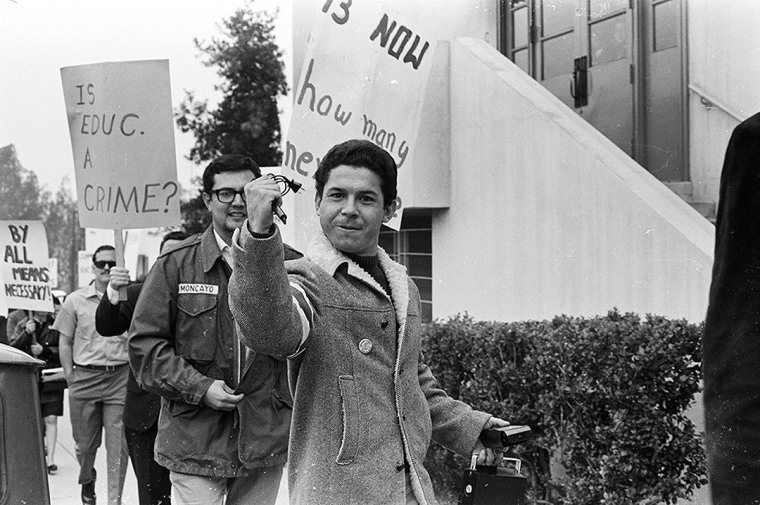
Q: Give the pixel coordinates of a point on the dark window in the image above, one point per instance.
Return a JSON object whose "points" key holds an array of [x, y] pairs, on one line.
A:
{"points": [[601, 8], [412, 246], [557, 16], [521, 28], [521, 60], [559, 53], [665, 25], [609, 40]]}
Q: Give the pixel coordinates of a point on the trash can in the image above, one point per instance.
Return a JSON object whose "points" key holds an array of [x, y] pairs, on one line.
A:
{"points": [[23, 474]]}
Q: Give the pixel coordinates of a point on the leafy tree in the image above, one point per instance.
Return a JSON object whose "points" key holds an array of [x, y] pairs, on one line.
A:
{"points": [[21, 197], [195, 216], [65, 236], [20, 194], [246, 121]]}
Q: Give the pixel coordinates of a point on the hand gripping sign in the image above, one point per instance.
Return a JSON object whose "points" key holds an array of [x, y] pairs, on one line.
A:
{"points": [[122, 137]]}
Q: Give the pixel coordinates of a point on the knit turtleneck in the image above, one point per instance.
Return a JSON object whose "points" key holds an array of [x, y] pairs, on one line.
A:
{"points": [[371, 265]]}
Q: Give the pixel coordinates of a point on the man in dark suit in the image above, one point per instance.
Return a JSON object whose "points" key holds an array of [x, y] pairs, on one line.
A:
{"points": [[731, 339], [141, 409]]}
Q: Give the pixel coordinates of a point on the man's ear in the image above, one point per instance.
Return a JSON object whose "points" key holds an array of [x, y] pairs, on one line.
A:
{"points": [[390, 210], [206, 200], [317, 202]]}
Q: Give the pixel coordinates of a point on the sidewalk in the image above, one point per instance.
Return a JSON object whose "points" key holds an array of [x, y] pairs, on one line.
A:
{"points": [[64, 489]]}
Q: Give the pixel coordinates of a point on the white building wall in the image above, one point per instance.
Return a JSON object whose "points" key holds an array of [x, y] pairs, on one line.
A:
{"points": [[547, 216], [724, 69]]}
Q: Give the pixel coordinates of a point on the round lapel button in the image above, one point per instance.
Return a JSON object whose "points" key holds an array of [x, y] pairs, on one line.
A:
{"points": [[365, 346]]}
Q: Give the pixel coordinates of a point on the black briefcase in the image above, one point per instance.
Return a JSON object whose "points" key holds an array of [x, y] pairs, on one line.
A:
{"points": [[499, 484], [494, 485]]}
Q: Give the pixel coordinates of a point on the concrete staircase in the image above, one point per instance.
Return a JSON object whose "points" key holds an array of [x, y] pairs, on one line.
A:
{"points": [[686, 191]]}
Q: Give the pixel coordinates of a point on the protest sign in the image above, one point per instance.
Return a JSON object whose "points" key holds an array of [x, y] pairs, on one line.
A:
{"points": [[24, 271], [53, 271], [85, 276], [122, 137], [364, 76]]}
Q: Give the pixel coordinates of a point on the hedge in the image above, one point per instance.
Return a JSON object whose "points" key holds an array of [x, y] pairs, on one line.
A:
{"points": [[605, 396]]}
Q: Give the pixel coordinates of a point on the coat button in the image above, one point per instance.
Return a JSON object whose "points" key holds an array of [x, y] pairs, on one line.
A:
{"points": [[399, 466], [384, 323], [365, 346]]}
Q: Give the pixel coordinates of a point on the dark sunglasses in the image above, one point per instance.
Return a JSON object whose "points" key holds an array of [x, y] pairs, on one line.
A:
{"points": [[103, 264]]}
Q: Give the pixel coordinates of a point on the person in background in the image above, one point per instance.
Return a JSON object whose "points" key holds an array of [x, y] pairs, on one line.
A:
{"points": [[96, 369], [225, 413], [141, 408], [348, 318], [731, 338], [14, 316], [34, 335]]}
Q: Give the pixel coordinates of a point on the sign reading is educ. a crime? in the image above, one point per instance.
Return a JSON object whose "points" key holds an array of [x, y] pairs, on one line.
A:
{"points": [[122, 137]]}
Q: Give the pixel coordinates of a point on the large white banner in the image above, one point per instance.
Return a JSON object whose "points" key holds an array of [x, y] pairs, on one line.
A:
{"points": [[24, 271], [122, 136], [363, 77]]}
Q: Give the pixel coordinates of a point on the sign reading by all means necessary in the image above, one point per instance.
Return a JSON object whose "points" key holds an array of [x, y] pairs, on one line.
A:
{"points": [[24, 271]]}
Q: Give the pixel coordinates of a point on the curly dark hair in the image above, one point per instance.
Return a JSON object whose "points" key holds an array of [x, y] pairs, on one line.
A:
{"points": [[360, 154], [228, 163]]}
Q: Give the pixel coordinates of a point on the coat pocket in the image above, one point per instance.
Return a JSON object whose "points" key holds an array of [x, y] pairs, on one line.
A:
{"points": [[350, 402], [179, 408], [196, 328]]}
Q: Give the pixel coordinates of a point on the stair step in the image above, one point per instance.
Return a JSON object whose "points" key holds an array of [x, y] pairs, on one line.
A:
{"points": [[683, 189], [707, 209]]}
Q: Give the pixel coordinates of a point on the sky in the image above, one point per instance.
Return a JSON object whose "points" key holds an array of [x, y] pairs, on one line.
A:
{"points": [[39, 37]]}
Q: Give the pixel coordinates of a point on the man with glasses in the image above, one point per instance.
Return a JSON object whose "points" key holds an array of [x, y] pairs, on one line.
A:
{"points": [[96, 371], [225, 412]]}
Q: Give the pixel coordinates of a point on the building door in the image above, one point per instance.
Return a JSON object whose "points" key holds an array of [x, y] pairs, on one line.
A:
{"points": [[588, 53]]}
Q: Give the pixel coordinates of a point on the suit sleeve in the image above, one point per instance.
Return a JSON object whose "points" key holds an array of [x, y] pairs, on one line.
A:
{"points": [[152, 354], [276, 308], [112, 320]]}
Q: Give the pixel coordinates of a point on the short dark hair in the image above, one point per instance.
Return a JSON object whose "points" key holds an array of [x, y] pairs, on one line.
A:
{"points": [[105, 247], [172, 235], [360, 154], [228, 163]]}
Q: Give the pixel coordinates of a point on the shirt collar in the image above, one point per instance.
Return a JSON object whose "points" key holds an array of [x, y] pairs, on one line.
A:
{"points": [[225, 248], [92, 292], [219, 240]]}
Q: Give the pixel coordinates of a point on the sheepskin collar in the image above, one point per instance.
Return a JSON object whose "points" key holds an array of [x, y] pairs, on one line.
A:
{"points": [[326, 256]]}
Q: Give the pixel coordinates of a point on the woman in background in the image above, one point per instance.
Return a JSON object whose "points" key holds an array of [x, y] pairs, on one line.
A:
{"points": [[33, 334]]}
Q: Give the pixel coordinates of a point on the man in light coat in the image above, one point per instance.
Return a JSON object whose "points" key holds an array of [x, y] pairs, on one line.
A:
{"points": [[348, 318]]}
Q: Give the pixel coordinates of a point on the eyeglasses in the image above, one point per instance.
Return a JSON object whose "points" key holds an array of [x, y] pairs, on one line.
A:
{"points": [[227, 195], [103, 264]]}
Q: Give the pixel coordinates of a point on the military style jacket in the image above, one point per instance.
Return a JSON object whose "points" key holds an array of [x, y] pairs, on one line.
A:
{"points": [[183, 337]]}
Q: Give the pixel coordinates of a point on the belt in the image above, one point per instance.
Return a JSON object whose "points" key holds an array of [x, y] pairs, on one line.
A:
{"points": [[101, 368]]}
